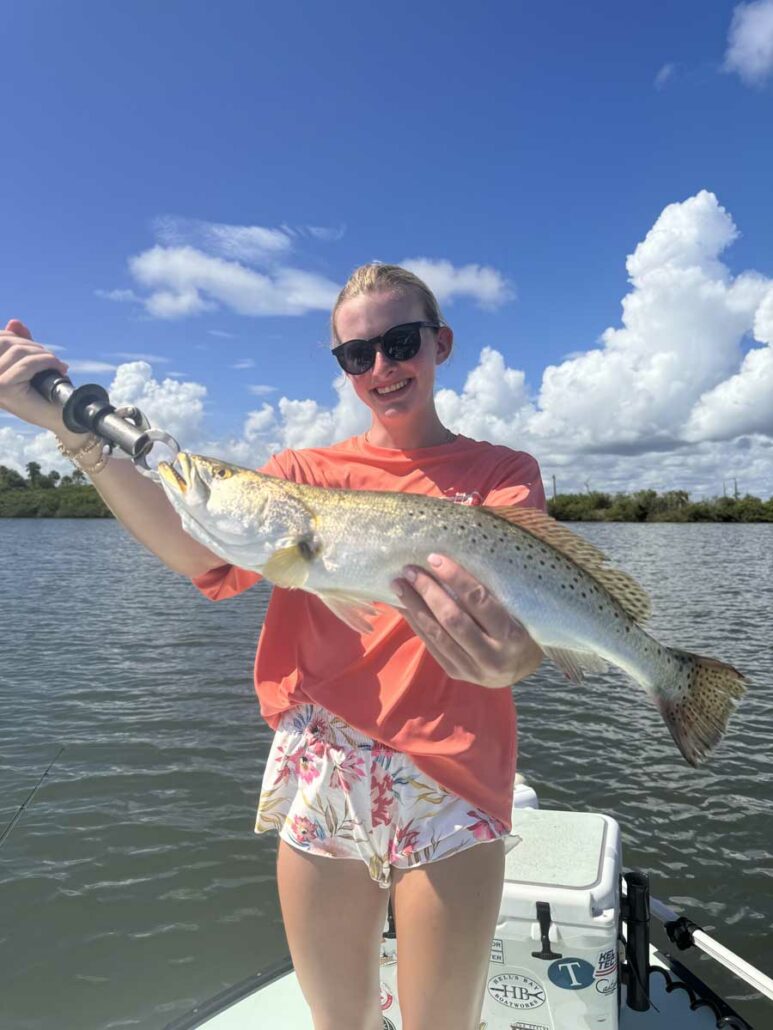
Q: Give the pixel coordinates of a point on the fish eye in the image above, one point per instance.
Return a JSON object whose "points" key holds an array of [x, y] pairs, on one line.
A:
{"points": [[222, 473]]}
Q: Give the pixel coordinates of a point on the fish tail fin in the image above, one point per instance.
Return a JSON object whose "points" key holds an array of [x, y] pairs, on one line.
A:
{"points": [[696, 701]]}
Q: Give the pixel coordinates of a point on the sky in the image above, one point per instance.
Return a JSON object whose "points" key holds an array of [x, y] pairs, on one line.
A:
{"points": [[184, 188]]}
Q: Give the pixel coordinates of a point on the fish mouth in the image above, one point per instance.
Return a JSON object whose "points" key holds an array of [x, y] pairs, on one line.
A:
{"points": [[178, 481]]}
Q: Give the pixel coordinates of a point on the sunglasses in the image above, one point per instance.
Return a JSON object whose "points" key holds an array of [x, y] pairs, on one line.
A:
{"points": [[400, 343]]}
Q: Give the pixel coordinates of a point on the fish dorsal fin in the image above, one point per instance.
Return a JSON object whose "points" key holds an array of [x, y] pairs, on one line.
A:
{"points": [[349, 608], [288, 566], [631, 597]]}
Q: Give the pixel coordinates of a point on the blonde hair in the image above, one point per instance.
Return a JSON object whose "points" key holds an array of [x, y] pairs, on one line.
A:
{"points": [[376, 276]]}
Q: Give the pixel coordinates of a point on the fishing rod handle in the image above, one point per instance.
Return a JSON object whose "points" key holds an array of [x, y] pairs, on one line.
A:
{"points": [[87, 409]]}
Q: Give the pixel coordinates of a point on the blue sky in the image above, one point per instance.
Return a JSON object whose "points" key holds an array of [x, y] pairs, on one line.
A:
{"points": [[540, 142]]}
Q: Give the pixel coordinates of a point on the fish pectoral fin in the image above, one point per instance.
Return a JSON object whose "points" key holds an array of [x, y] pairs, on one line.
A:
{"points": [[574, 663], [350, 608], [288, 566]]}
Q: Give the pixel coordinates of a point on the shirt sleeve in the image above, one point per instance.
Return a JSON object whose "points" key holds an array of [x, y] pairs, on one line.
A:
{"points": [[521, 485], [226, 581]]}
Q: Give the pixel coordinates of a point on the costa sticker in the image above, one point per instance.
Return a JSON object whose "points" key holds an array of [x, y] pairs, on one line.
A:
{"points": [[386, 997], [516, 991], [528, 1026], [605, 986], [571, 974]]}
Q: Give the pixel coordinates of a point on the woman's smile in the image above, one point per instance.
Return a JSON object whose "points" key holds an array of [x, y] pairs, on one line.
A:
{"points": [[394, 389]]}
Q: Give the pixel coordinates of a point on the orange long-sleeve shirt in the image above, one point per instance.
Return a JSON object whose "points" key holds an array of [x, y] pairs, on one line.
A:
{"points": [[385, 683]]}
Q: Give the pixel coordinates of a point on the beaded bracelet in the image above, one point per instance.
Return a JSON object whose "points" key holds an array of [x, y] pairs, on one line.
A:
{"points": [[93, 443]]}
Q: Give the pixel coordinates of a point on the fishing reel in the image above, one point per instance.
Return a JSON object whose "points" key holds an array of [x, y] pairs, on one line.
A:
{"points": [[87, 409]]}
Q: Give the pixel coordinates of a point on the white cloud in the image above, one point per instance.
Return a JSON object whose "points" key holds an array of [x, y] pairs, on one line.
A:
{"points": [[329, 235], [185, 281], [683, 323], [121, 296], [153, 359], [675, 386], [664, 75], [483, 284], [261, 390], [252, 244], [494, 403], [750, 42], [91, 366], [244, 363], [175, 407]]}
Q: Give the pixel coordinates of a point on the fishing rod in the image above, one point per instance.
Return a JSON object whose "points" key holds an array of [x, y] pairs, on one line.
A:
{"points": [[87, 409], [30, 796]]}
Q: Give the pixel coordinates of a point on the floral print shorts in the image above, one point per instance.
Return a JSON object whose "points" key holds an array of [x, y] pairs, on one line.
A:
{"points": [[330, 790]]}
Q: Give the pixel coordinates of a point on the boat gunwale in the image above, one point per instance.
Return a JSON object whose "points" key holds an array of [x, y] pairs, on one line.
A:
{"points": [[231, 995]]}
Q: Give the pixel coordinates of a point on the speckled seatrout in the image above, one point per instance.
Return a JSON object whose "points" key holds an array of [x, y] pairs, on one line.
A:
{"points": [[346, 546]]}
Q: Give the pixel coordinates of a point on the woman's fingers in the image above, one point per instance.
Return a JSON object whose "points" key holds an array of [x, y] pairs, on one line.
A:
{"points": [[492, 617], [19, 367], [464, 627], [18, 328], [443, 649], [20, 359]]}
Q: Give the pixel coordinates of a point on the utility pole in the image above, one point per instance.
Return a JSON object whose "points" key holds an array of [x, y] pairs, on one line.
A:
{"points": [[735, 489], [554, 488]]}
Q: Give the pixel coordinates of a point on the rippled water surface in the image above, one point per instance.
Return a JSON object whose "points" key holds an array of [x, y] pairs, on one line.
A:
{"points": [[133, 887]]}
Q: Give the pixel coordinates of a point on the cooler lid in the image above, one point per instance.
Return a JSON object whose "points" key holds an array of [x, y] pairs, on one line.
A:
{"points": [[563, 851]]}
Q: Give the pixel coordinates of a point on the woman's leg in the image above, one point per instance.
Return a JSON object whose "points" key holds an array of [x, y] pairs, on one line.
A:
{"points": [[445, 914], [333, 915]]}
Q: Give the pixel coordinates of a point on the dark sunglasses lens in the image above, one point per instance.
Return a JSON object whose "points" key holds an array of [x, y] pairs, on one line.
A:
{"points": [[400, 344], [358, 356]]}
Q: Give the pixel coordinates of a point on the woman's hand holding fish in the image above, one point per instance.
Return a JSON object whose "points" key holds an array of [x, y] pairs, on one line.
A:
{"points": [[466, 630]]}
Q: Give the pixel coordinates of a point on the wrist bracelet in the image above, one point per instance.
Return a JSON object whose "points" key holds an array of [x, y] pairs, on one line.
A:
{"points": [[82, 457]]}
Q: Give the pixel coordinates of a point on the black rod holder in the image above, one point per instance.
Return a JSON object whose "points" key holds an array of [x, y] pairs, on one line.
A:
{"points": [[637, 942]]}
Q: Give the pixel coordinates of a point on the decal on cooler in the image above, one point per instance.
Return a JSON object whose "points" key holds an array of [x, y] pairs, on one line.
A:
{"points": [[571, 974], [386, 997], [528, 1026], [516, 991], [607, 962], [497, 951], [606, 971], [388, 1024]]}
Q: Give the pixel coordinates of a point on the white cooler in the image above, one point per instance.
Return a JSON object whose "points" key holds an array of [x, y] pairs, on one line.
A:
{"points": [[560, 900], [554, 959]]}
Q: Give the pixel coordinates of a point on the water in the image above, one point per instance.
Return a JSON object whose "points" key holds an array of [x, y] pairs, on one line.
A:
{"points": [[133, 887]]}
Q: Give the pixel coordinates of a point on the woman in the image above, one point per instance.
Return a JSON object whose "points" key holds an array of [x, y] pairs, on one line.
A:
{"points": [[392, 764]]}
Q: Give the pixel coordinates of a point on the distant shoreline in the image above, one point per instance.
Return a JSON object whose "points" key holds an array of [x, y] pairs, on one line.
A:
{"points": [[42, 497]]}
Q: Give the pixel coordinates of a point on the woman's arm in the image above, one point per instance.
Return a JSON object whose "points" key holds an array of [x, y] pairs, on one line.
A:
{"points": [[136, 501]]}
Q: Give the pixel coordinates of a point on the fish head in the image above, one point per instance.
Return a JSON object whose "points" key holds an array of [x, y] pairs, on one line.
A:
{"points": [[235, 512]]}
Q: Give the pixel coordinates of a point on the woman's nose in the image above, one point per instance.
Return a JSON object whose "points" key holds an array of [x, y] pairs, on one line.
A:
{"points": [[382, 363]]}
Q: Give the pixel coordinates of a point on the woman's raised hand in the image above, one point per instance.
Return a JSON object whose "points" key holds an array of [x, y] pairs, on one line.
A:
{"points": [[20, 359]]}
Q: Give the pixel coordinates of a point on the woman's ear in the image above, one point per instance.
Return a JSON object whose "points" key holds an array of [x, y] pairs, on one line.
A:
{"points": [[444, 344]]}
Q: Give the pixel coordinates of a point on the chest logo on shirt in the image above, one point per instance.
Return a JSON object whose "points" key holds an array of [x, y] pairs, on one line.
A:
{"points": [[473, 500]]}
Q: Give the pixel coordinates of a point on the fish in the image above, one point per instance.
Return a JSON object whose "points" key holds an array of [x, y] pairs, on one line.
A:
{"points": [[347, 546]]}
